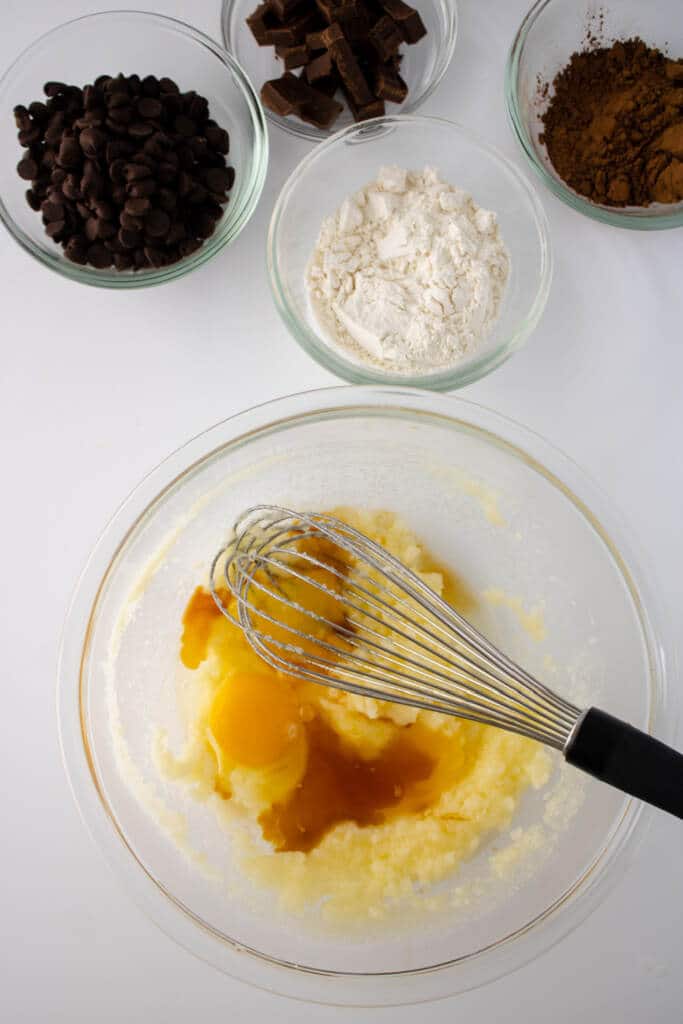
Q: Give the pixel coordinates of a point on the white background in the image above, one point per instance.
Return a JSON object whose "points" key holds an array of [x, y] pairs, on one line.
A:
{"points": [[97, 387]]}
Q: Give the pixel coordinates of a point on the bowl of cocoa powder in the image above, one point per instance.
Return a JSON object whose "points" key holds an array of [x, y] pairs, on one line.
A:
{"points": [[595, 99]]}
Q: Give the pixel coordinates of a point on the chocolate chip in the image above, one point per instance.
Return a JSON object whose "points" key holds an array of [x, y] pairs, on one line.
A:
{"points": [[99, 256], [140, 129], [27, 169], [54, 228], [150, 86], [76, 250], [176, 233], [130, 222], [118, 149], [154, 256], [167, 199], [21, 116], [37, 110], [218, 139], [52, 210], [142, 188], [121, 116], [91, 141], [129, 238], [134, 172], [117, 99], [137, 207], [105, 229], [54, 88], [96, 156], [167, 85], [184, 126], [55, 128], [157, 223], [70, 153], [29, 135], [218, 179]]}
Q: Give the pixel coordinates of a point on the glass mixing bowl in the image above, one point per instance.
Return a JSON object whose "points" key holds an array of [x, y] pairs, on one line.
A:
{"points": [[133, 42], [549, 34], [423, 66], [488, 497], [316, 189]]}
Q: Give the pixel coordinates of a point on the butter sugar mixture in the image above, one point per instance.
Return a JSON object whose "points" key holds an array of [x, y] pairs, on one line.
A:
{"points": [[334, 797], [409, 274]]}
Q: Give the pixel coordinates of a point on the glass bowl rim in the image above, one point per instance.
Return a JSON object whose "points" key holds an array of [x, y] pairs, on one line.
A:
{"points": [[301, 130], [258, 162], [178, 921], [628, 217], [442, 380]]}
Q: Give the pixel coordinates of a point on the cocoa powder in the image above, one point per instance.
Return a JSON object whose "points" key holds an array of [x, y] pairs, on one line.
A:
{"points": [[613, 128]]}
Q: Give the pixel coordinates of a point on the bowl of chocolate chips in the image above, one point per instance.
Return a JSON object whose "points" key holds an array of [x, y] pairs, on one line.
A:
{"points": [[134, 149], [321, 65]]}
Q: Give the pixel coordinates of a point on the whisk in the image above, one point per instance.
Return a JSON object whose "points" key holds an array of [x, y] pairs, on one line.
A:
{"points": [[320, 601]]}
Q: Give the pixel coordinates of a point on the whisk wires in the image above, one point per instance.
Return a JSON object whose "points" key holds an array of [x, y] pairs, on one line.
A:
{"points": [[319, 600]]}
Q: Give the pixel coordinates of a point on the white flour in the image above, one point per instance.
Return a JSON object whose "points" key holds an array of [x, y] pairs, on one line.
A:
{"points": [[409, 274]]}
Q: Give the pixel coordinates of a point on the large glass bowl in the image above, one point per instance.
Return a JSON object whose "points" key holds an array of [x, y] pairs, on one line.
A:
{"points": [[490, 498], [133, 42], [423, 65], [551, 32], [351, 159]]}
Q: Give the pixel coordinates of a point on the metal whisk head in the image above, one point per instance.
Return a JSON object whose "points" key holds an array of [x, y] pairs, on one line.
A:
{"points": [[319, 600]]}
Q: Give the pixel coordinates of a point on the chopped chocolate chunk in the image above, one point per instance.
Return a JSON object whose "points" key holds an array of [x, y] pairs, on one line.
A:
{"points": [[283, 8], [314, 41], [281, 95], [322, 111], [389, 85], [386, 38], [348, 44], [329, 85], [260, 24], [363, 112], [348, 67], [292, 95], [281, 35], [407, 18], [320, 67], [330, 8], [302, 25], [356, 24], [293, 56]]}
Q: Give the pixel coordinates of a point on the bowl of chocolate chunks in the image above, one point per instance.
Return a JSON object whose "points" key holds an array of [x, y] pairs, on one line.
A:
{"points": [[320, 65], [134, 149]]}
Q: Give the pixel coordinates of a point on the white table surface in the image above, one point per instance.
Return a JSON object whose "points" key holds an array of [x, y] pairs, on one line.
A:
{"points": [[97, 387]]}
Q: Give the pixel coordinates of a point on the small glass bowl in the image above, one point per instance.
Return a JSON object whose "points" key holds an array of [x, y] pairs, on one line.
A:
{"points": [[551, 32], [133, 43], [423, 66], [351, 159]]}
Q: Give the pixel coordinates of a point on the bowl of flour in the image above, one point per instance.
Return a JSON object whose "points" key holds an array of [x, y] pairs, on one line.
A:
{"points": [[404, 250]]}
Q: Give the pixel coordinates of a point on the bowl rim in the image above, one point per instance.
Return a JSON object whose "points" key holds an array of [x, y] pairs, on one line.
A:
{"points": [[258, 162], [442, 380], [296, 980], [301, 130], [635, 218]]}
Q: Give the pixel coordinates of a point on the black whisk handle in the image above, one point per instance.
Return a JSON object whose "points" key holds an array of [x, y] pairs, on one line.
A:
{"points": [[629, 759]]}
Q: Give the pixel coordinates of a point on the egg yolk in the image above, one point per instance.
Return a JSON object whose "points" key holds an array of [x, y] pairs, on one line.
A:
{"points": [[254, 720]]}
